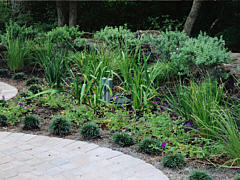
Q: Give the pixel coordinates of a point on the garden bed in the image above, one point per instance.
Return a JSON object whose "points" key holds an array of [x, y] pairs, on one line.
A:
{"points": [[46, 114]]}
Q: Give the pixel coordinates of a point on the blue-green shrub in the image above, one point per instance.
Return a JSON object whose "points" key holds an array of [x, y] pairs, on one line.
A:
{"points": [[123, 139], [3, 120], [31, 121], [149, 146], [174, 161], [116, 37], [199, 175], [60, 126], [90, 131]]}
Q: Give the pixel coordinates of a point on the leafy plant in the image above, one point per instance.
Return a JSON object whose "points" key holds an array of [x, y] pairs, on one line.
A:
{"points": [[174, 161], [3, 120], [60, 126], [90, 131], [32, 81], [30, 122], [19, 75], [35, 88], [199, 175], [123, 139], [149, 146]]}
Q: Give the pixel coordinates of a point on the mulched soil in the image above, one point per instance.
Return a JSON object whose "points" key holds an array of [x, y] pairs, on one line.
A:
{"points": [[105, 141]]}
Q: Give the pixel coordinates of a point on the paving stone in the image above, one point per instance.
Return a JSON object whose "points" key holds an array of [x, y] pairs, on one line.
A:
{"points": [[31, 157], [7, 91]]}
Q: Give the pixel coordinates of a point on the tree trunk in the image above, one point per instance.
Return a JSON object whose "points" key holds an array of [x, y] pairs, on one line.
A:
{"points": [[192, 17], [72, 13], [61, 12]]}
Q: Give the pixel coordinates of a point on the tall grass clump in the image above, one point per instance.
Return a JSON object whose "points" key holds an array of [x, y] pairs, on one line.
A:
{"points": [[139, 80], [197, 100], [53, 63]]}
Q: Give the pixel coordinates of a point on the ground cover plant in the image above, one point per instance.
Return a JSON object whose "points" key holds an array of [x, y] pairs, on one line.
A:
{"points": [[166, 106]]}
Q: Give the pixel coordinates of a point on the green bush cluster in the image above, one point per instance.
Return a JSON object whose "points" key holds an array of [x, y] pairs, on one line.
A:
{"points": [[63, 36], [32, 81], [60, 126], [189, 55], [116, 37], [150, 146], [35, 88], [19, 76], [90, 131], [174, 161], [31, 122], [199, 175], [3, 120], [123, 139]]}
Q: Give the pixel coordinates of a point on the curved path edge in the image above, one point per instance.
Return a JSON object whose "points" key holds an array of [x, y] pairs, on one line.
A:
{"points": [[7, 91], [33, 157]]}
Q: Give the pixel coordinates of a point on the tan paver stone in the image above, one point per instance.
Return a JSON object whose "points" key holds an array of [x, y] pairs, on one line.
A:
{"points": [[31, 157]]}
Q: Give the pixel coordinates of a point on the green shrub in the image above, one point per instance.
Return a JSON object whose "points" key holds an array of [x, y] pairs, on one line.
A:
{"points": [[35, 88], [63, 36], [116, 37], [189, 56], [149, 146], [31, 81], [18, 76], [174, 161], [60, 126], [15, 30], [199, 175], [4, 72], [123, 139], [90, 131], [237, 177], [3, 120], [30, 122]]}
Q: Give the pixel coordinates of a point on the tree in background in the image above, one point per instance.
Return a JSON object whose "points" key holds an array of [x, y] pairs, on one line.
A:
{"points": [[192, 17], [62, 12]]}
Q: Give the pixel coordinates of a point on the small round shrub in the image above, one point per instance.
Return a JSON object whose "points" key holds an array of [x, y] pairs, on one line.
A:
{"points": [[149, 146], [123, 139], [199, 175], [32, 81], [174, 161], [90, 131], [4, 72], [18, 76], [3, 120], [35, 88], [31, 121], [60, 126], [237, 177]]}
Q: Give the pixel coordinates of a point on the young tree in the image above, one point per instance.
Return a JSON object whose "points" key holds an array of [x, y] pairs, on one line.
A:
{"points": [[192, 17]]}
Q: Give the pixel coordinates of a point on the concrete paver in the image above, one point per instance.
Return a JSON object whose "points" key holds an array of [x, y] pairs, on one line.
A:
{"points": [[25, 156], [7, 91]]}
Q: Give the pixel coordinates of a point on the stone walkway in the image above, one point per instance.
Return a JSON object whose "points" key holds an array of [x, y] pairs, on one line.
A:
{"points": [[32, 157], [7, 91]]}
